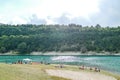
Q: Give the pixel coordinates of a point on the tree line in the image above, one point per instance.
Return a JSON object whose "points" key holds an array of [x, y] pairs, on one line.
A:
{"points": [[24, 39]]}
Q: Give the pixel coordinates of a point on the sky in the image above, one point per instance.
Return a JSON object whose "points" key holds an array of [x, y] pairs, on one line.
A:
{"points": [[83, 12]]}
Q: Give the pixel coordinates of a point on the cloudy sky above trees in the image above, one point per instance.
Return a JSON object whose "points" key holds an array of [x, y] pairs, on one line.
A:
{"points": [[84, 12]]}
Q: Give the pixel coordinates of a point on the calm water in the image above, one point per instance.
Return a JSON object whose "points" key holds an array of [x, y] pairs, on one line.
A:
{"points": [[110, 63]]}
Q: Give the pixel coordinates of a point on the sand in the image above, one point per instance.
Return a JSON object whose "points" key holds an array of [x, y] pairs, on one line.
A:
{"points": [[79, 75]]}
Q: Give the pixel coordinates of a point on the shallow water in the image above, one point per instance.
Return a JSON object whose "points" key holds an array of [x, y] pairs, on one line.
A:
{"points": [[110, 63]]}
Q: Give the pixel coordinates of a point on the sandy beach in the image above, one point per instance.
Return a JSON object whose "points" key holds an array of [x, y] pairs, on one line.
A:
{"points": [[81, 75]]}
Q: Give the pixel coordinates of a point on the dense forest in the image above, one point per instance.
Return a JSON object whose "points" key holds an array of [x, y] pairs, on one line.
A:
{"points": [[27, 38]]}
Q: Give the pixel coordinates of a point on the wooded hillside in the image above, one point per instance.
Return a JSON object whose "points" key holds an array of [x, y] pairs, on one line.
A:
{"points": [[28, 38]]}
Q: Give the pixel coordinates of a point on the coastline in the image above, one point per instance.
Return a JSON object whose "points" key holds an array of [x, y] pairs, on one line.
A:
{"points": [[80, 75], [65, 53]]}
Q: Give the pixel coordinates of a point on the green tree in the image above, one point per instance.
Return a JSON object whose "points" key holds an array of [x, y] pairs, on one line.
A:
{"points": [[22, 48], [2, 49], [98, 26]]}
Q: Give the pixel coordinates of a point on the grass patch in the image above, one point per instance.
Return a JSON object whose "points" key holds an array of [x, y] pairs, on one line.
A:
{"points": [[21, 72], [26, 72]]}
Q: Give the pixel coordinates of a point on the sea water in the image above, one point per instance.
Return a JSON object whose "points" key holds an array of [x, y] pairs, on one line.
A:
{"points": [[106, 62]]}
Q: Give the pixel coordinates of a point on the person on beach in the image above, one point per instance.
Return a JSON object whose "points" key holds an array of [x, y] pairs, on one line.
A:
{"points": [[31, 62], [97, 70], [61, 66], [82, 67], [91, 68]]}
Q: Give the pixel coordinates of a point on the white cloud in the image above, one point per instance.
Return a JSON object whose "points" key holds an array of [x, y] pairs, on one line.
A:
{"points": [[18, 12], [18, 20], [3, 20], [75, 8]]}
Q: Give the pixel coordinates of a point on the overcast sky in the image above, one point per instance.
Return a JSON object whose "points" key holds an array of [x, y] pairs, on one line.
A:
{"points": [[84, 12]]}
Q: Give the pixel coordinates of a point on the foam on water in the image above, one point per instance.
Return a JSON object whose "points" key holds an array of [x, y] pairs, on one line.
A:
{"points": [[64, 58]]}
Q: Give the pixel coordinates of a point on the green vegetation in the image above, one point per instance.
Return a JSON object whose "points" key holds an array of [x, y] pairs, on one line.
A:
{"points": [[25, 72], [28, 38]]}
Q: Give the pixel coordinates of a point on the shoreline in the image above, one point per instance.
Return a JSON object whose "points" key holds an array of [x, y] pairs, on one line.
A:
{"points": [[91, 74], [109, 70], [87, 68], [72, 53], [80, 75], [66, 53]]}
